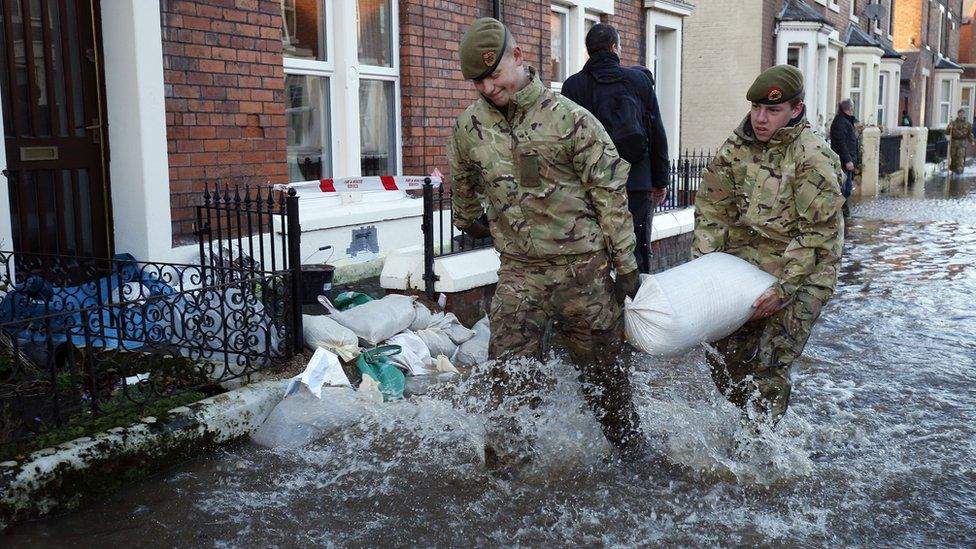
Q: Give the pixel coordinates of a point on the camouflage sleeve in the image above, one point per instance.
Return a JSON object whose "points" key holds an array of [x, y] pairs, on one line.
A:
{"points": [[812, 258], [715, 208], [465, 183], [604, 177]]}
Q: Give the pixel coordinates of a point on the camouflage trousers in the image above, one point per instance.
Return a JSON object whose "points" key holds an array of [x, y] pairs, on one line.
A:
{"points": [[752, 366], [958, 155], [576, 292]]}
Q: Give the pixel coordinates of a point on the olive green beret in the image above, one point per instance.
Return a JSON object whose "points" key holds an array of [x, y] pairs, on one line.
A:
{"points": [[776, 85], [482, 48]]}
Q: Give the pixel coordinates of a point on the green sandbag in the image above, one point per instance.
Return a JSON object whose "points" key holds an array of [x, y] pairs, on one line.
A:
{"points": [[376, 364], [348, 300]]}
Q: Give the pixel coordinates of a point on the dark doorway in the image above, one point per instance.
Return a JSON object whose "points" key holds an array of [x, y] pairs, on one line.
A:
{"points": [[53, 124]]}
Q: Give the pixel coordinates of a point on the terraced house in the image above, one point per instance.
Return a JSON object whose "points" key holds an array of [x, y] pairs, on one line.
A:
{"points": [[118, 113], [888, 56]]}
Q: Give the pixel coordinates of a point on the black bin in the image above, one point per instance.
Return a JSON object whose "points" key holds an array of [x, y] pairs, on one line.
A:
{"points": [[316, 281]]}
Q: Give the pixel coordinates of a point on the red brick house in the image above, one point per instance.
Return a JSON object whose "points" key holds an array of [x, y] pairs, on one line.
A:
{"points": [[117, 113]]}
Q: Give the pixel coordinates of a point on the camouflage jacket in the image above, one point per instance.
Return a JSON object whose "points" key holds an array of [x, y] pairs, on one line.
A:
{"points": [[960, 130], [548, 175], [776, 205]]}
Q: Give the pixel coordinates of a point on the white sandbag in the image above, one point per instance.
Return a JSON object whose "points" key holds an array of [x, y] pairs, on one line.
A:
{"points": [[475, 350], [700, 301], [376, 320], [302, 418], [322, 370], [422, 317], [443, 334], [322, 331], [414, 357], [438, 342]]}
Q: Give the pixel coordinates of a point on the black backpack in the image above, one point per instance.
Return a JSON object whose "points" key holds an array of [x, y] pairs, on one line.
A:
{"points": [[618, 107]]}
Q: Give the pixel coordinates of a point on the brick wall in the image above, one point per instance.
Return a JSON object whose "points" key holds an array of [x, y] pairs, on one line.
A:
{"points": [[770, 9], [224, 84], [433, 92], [721, 42], [629, 18], [908, 24]]}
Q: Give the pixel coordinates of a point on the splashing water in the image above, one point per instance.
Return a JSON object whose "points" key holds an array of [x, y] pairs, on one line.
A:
{"points": [[879, 445]]}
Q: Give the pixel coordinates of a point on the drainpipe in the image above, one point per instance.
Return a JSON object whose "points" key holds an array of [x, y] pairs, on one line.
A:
{"points": [[496, 9]]}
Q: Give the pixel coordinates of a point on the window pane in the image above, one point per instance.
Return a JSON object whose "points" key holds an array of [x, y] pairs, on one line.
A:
{"points": [[375, 46], [793, 57], [303, 29], [307, 114], [945, 90], [856, 77], [557, 44], [377, 127]]}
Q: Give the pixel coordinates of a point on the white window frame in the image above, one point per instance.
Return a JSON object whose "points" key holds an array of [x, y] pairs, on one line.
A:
{"points": [[969, 90], [938, 40], [799, 48], [945, 102], [829, 4], [852, 16], [859, 104], [344, 107], [588, 16], [327, 69], [882, 108], [566, 12]]}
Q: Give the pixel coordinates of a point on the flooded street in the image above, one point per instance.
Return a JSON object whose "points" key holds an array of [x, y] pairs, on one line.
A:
{"points": [[878, 448]]}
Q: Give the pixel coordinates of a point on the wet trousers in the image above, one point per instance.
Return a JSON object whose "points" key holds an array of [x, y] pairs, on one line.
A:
{"points": [[752, 366], [642, 211], [577, 293], [958, 154]]}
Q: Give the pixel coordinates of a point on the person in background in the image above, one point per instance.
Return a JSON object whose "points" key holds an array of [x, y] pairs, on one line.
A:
{"points": [[843, 141], [624, 101], [771, 196], [905, 119], [960, 133]]}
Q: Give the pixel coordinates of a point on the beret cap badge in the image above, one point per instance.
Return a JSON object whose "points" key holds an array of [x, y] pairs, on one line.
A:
{"points": [[488, 57], [774, 94]]}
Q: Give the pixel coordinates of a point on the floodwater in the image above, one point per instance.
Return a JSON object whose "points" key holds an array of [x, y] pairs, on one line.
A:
{"points": [[878, 448]]}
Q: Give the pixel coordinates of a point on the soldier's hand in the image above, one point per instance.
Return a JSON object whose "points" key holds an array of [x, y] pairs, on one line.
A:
{"points": [[767, 304], [477, 230], [849, 166], [626, 285]]}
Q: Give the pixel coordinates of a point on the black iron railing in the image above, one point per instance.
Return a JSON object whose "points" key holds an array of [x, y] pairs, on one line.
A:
{"points": [[254, 230], [442, 238], [889, 154], [81, 337]]}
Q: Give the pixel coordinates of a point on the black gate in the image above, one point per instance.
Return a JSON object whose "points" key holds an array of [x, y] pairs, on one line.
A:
{"points": [[256, 230]]}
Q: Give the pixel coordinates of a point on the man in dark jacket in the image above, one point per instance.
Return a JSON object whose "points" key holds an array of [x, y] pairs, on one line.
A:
{"points": [[843, 140], [647, 184]]}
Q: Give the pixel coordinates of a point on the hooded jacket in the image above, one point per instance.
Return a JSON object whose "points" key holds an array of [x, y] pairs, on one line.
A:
{"points": [[843, 137]]}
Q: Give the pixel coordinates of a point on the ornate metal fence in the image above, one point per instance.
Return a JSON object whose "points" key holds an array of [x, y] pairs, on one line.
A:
{"points": [[441, 238], [254, 230], [83, 337]]}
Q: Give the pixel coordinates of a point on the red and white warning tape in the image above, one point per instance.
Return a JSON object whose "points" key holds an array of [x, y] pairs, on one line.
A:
{"points": [[368, 183]]}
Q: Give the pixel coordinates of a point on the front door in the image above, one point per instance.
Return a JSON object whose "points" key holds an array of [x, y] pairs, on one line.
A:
{"points": [[53, 123]]}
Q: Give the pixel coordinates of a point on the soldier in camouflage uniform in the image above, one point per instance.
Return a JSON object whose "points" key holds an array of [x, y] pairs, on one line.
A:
{"points": [[553, 185], [960, 136], [772, 196]]}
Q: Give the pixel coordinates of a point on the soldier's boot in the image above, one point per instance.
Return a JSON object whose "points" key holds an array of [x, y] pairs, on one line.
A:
{"points": [[515, 390], [607, 390]]}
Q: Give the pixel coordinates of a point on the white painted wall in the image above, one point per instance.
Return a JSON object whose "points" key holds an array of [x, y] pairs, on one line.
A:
{"points": [[812, 39], [664, 36], [6, 227], [869, 59], [139, 165]]}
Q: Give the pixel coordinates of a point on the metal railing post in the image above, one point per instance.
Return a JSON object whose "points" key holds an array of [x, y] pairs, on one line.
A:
{"points": [[427, 226], [295, 267]]}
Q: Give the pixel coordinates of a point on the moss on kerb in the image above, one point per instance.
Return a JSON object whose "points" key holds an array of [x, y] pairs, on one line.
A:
{"points": [[88, 468]]}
